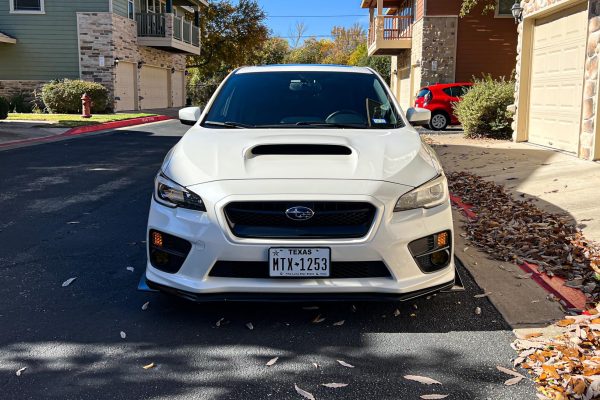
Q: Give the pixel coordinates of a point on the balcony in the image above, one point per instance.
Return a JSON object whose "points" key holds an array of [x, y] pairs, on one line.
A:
{"points": [[167, 32], [390, 34]]}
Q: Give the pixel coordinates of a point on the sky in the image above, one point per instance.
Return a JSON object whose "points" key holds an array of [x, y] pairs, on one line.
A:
{"points": [[283, 15]]}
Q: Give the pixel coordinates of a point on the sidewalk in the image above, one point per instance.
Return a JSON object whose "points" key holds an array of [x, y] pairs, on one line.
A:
{"points": [[558, 182], [11, 131], [562, 183]]}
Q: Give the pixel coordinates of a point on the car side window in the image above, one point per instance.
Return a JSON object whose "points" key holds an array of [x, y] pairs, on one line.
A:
{"points": [[463, 90], [448, 91]]}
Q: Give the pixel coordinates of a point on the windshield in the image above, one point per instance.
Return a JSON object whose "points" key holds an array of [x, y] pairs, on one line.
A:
{"points": [[303, 99]]}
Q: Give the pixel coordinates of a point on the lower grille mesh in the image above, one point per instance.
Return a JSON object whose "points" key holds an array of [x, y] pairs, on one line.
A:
{"points": [[339, 270]]}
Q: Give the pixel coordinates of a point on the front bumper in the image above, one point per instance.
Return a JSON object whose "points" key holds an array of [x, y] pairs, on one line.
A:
{"points": [[387, 241]]}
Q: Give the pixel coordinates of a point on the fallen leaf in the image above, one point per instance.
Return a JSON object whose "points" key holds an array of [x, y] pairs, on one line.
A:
{"points": [[353, 308], [272, 361], [334, 385], [509, 371], [250, 326], [478, 311], [396, 313], [304, 393], [315, 365], [434, 396], [68, 282], [345, 364], [123, 335], [130, 269], [20, 371], [513, 381], [149, 366], [422, 379], [219, 322], [479, 296], [339, 323], [318, 319], [145, 305]]}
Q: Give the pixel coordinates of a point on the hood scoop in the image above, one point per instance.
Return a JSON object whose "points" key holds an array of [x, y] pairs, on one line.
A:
{"points": [[301, 150]]}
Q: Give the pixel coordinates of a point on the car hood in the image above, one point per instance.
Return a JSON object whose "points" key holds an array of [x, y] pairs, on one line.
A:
{"points": [[207, 155]]}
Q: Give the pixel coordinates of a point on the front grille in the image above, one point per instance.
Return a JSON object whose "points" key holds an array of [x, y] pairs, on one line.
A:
{"points": [[339, 270], [268, 220]]}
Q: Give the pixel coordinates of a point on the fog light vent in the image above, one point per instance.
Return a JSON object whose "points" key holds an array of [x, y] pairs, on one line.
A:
{"points": [[167, 252], [432, 253]]}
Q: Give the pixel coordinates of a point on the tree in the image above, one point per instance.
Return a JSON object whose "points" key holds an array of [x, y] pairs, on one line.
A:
{"points": [[233, 36], [273, 51], [297, 33], [312, 51], [381, 64], [469, 5], [345, 41]]}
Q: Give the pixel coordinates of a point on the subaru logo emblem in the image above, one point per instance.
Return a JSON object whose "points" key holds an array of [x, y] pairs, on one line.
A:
{"points": [[299, 213]]}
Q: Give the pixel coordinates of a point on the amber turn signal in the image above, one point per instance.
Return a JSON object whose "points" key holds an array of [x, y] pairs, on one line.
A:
{"points": [[442, 239], [157, 239]]}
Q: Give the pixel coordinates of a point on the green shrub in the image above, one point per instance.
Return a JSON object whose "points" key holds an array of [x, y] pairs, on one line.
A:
{"points": [[19, 104], [482, 111], [64, 97], [3, 108]]}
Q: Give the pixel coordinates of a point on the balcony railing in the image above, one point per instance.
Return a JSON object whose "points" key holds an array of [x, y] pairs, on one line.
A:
{"points": [[151, 25], [391, 27], [166, 25]]}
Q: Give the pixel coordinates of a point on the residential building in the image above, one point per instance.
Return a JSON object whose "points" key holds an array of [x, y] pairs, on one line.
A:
{"points": [[136, 48], [430, 43], [557, 76]]}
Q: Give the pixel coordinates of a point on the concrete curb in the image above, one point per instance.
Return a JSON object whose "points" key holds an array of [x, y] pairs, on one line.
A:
{"points": [[570, 297], [88, 129]]}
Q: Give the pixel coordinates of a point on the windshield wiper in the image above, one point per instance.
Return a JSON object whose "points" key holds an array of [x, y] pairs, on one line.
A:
{"points": [[332, 125], [228, 124]]}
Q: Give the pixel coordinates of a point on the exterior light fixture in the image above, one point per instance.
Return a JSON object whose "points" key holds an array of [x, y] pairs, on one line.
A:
{"points": [[117, 61], [172, 70], [517, 11], [140, 64]]}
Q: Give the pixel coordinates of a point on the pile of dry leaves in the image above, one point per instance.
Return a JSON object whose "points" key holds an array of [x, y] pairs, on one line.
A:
{"points": [[516, 230], [566, 366]]}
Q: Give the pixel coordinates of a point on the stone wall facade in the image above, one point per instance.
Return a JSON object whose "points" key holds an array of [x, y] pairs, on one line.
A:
{"points": [[588, 140], [438, 49], [112, 36], [12, 88]]}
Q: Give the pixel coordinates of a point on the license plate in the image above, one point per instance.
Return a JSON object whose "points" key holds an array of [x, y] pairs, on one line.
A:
{"points": [[299, 262]]}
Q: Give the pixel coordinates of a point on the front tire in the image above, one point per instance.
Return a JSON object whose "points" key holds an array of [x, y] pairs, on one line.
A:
{"points": [[439, 121]]}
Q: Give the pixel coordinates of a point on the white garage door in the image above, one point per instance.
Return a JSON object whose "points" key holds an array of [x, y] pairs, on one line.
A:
{"points": [[557, 79], [405, 90], [125, 86], [154, 88], [178, 84]]}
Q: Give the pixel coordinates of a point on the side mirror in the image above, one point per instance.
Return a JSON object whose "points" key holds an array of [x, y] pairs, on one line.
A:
{"points": [[418, 116], [189, 115]]}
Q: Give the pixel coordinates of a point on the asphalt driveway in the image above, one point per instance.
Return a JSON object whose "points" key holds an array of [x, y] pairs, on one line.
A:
{"points": [[78, 208]]}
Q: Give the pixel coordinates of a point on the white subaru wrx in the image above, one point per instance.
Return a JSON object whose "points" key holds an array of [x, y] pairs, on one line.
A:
{"points": [[301, 182]]}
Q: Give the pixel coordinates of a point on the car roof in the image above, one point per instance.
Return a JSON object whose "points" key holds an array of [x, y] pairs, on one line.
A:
{"points": [[304, 68], [445, 85]]}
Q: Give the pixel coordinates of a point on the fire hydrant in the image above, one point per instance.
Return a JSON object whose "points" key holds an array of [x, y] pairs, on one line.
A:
{"points": [[86, 106]]}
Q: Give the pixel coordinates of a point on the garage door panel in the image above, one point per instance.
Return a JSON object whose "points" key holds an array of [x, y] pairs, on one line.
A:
{"points": [[125, 87], [154, 87], [556, 89], [178, 88]]}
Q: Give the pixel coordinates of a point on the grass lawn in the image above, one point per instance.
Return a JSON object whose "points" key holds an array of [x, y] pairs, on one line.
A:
{"points": [[73, 120]]}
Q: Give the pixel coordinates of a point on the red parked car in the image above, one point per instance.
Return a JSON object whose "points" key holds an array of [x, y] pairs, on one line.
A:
{"points": [[438, 99]]}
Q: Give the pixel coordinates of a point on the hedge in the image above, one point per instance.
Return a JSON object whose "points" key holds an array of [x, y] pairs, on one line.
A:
{"points": [[482, 111], [4, 106], [64, 97]]}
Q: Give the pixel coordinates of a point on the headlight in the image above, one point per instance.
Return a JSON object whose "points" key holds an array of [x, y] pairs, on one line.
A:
{"points": [[431, 194], [171, 194]]}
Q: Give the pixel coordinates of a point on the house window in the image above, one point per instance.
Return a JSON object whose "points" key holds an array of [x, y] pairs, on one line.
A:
{"points": [[130, 9], [504, 8], [27, 6]]}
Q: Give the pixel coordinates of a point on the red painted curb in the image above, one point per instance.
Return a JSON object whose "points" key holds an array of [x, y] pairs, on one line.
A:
{"points": [[573, 298], [91, 128]]}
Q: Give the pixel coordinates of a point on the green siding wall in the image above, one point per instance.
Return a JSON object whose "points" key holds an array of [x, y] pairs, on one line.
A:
{"points": [[47, 44]]}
